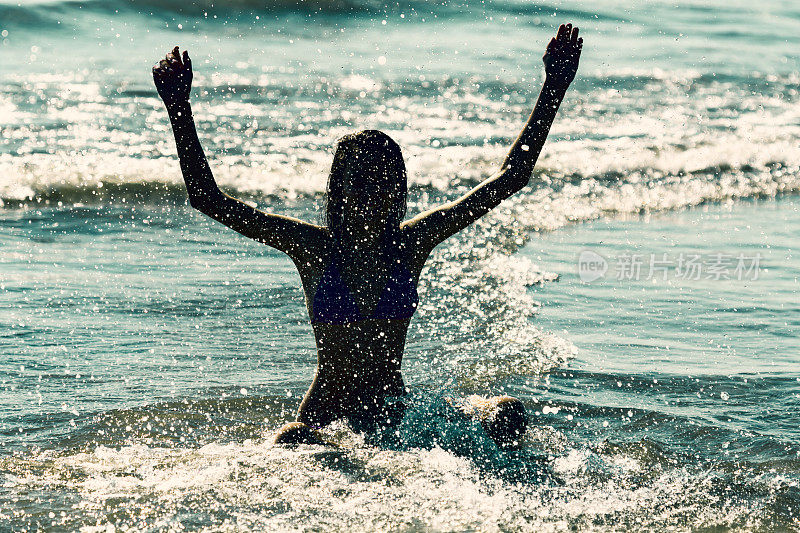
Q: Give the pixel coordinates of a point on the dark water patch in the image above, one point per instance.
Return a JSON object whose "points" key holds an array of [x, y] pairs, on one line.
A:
{"points": [[188, 422], [103, 192], [712, 416], [26, 16], [59, 14], [539, 9]]}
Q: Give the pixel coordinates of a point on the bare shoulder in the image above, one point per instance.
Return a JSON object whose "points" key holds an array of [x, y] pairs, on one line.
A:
{"points": [[415, 244], [316, 242], [431, 227], [423, 232]]}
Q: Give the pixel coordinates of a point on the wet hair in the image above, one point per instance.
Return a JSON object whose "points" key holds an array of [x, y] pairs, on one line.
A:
{"points": [[361, 153]]}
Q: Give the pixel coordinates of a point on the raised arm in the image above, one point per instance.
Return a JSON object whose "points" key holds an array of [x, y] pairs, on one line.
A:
{"points": [[430, 228], [173, 79]]}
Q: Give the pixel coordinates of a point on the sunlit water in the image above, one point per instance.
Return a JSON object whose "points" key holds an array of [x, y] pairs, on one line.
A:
{"points": [[148, 354]]}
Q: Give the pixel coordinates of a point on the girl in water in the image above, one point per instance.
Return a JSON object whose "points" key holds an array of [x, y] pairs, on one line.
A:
{"points": [[360, 271]]}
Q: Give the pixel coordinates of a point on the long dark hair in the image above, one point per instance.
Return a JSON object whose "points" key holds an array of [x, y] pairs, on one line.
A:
{"points": [[360, 152]]}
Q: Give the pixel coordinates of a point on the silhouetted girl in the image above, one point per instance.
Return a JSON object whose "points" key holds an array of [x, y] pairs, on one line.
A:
{"points": [[360, 271]]}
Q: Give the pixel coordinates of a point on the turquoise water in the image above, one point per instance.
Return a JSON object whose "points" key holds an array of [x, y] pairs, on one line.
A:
{"points": [[707, 365], [147, 354], [713, 322]]}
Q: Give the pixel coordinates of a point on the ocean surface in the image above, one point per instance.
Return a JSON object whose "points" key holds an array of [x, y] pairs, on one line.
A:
{"points": [[640, 296]]}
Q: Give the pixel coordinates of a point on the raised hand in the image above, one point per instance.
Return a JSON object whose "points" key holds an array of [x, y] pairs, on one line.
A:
{"points": [[561, 57], [173, 78]]}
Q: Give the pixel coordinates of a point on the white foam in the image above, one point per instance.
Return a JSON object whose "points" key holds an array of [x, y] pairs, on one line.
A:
{"points": [[258, 486]]}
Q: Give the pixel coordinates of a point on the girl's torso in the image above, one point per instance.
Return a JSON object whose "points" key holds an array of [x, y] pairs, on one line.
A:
{"points": [[360, 307]]}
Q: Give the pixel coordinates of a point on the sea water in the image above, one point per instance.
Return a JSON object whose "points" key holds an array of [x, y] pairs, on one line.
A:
{"points": [[149, 354]]}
